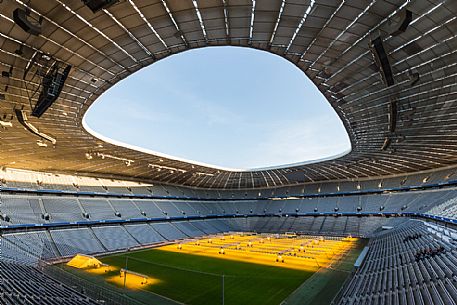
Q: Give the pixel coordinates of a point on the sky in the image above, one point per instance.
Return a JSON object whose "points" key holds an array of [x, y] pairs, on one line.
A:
{"points": [[231, 107]]}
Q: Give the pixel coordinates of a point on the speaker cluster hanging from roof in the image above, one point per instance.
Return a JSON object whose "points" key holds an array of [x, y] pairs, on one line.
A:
{"points": [[24, 19], [42, 68], [396, 26], [47, 76]]}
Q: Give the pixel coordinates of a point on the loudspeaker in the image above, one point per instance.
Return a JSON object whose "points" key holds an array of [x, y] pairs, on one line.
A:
{"points": [[400, 22], [97, 5], [52, 86], [20, 18], [382, 60]]}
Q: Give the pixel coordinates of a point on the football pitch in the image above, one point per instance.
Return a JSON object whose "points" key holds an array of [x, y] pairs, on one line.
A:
{"points": [[231, 270]]}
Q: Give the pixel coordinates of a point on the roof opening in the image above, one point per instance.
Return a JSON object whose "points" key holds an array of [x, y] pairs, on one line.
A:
{"points": [[229, 107]]}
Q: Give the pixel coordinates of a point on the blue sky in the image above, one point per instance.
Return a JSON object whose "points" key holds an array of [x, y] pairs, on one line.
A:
{"points": [[225, 106]]}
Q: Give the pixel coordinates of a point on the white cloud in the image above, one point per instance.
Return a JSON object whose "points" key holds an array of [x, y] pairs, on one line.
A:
{"points": [[311, 139]]}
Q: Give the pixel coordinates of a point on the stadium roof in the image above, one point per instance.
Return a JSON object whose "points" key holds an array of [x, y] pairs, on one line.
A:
{"points": [[387, 67]]}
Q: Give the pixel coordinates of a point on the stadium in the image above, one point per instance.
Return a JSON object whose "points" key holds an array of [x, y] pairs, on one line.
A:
{"points": [[84, 220]]}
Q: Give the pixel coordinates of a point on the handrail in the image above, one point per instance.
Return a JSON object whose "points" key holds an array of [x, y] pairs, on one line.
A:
{"points": [[92, 290], [94, 223], [57, 192]]}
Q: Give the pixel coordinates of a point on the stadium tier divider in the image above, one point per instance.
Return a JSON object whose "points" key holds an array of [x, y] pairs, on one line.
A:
{"points": [[19, 210], [85, 186]]}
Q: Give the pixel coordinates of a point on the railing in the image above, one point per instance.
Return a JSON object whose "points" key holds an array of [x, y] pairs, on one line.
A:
{"points": [[78, 224], [354, 192], [95, 292]]}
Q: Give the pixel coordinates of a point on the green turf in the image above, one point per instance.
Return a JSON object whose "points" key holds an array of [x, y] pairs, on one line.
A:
{"points": [[193, 279], [321, 288], [197, 280]]}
